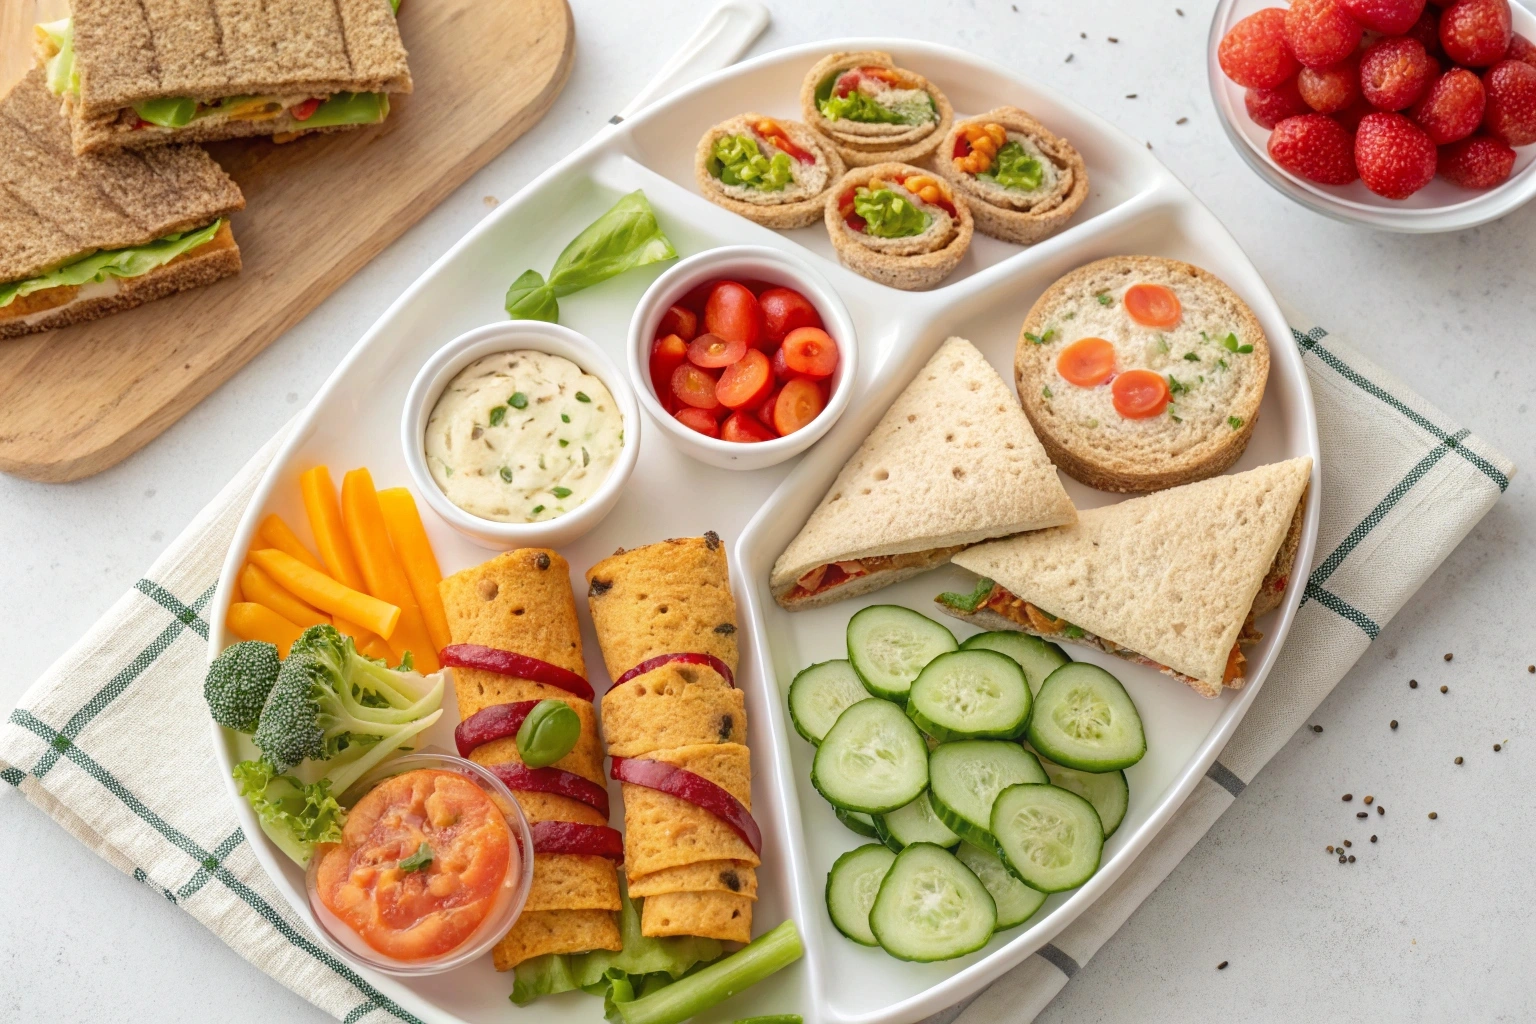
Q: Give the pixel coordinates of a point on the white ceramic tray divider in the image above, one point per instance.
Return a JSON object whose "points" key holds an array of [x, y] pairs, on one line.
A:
{"points": [[1135, 206]]}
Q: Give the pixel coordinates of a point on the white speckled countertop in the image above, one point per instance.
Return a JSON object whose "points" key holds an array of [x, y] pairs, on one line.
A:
{"points": [[1430, 923]]}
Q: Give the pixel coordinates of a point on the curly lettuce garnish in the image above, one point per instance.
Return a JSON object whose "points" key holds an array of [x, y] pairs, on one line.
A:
{"points": [[887, 214], [1015, 169], [738, 160]]}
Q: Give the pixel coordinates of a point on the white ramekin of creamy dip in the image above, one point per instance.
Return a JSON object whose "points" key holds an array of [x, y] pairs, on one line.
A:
{"points": [[520, 434]]}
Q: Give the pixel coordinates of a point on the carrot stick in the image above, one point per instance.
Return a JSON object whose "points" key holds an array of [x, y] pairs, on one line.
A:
{"points": [[263, 589], [376, 648], [325, 522], [386, 579], [250, 621], [275, 533], [410, 538], [326, 594]]}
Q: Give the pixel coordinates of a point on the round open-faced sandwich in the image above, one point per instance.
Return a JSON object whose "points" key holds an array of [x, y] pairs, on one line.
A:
{"points": [[898, 225], [873, 111], [774, 172], [1140, 373], [1023, 182]]}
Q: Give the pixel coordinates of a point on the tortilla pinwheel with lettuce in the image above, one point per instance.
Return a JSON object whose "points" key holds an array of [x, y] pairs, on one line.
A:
{"points": [[873, 111]]}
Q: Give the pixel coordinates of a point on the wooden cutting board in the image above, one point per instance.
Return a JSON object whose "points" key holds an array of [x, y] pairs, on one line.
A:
{"points": [[75, 401]]}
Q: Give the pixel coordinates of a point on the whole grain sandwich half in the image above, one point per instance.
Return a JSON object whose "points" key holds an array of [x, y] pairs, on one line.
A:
{"points": [[1022, 182], [951, 463], [1140, 373], [1172, 580], [139, 73], [82, 237]]}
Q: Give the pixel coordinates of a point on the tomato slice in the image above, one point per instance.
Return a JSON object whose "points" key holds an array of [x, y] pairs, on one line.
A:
{"points": [[798, 404], [785, 309], [306, 110], [847, 82], [732, 312], [681, 321], [745, 382], [962, 147], [698, 419], [1087, 362], [883, 74], [667, 354], [781, 370], [771, 130], [1153, 305], [713, 352], [694, 387], [811, 351], [1139, 394], [764, 410], [740, 426]]}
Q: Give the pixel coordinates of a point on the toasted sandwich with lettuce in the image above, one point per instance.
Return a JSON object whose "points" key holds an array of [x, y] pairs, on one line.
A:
{"points": [[137, 75], [82, 237]]}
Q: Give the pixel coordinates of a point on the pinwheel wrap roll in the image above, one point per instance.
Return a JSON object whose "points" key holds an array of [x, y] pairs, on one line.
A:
{"points": [[521, 602], [693, 869]]}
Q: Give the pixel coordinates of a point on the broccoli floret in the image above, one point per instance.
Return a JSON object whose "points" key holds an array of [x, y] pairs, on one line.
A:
{"points": [[297, 815], [238, 682]]}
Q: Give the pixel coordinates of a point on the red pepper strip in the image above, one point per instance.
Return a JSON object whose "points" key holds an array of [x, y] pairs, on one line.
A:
{"points": [[695, 789], [574, 837], [306, 110], [519, 777], [518, 666], [652, 664], [496, 722]]}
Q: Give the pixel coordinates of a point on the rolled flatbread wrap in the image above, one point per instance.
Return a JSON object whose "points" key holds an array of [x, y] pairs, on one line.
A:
{"points": [[873, 111], [899, 225], [1022, 182], [769, 170]]}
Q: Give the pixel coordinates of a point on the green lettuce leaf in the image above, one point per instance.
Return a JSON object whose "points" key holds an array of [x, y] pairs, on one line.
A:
{"points": [[349, 108], [858, 107], [624, 238], [295, 815], [530, 298], [1015, 169], [130, 262], [60, 68], [738, 160], [167, 111], [887, 214], [967, 602]]}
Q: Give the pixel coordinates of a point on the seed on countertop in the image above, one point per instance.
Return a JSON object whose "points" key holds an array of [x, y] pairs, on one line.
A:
{"points": [[1348, 843], [1530, 668], [1497, 747], [1413, 684], [1221, 966], [1445, 689], [1458, 760], [1347, 797], [1341, 858], [1373, 839], [1130, 95], [1447, 655], [1149, 146], [1182, 120], [1394, 723], [1433, 815], [1370, 799], [1068, 60], [1082, 35], [1179, 11], [1330, 849], [1114, 39], [1360, 814], [1317, 728], [1351, 858], [1380, 809]]}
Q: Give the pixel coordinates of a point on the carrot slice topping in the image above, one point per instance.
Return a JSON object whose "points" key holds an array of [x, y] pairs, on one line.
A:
{"points": [[1153, 305], [1139, 394], [1087, 362]]}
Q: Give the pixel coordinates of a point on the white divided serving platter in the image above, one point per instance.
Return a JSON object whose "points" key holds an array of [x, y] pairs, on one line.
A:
{"points": [[1135, 206]]}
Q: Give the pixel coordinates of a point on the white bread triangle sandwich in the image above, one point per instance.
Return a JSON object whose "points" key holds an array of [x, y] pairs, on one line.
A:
{"points": [[1172, 580], [951, 463]]}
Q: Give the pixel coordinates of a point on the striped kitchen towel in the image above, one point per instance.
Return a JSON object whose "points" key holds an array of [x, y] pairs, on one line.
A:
{"points": [[1401, 488]]}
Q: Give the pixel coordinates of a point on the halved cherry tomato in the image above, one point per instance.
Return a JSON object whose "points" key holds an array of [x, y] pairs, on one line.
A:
{"points": [[798, 403], [771, 130], [745, 382], [681, 321], [1087, 362], [845, 207], [667, 354], [713, 352], [694, 387], [1139, 394], [811, 351], [733, 313], [781, 370], [698, 419], [764, 411], [784, 309], [306, 110], [739, 426], [1152, 305]]}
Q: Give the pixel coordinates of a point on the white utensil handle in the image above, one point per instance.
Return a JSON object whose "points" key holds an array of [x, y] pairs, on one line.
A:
{"points": [[719, 42]]}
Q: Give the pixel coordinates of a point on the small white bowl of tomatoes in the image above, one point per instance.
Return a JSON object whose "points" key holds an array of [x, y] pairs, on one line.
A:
{"points": [[744, 356]]}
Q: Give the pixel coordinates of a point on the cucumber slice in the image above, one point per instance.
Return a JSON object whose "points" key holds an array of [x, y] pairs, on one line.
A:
{"points": [[970, 695], [1084, 719], [1016, 902], [914, 823], [852, 885], [931, 907], [965, 778], [820, 693], [858, 822], [889, 645], [873, 759], [1038, 658], [1049, 838], [1109, 793]]}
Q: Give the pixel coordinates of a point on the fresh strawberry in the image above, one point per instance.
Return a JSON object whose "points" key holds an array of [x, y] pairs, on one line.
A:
{"points": [[1427, 31], [1268, 107], [1330, 89], [1394, 155], [1521, 48], [1475, 33], [1254, 53], [1394, 73], [1452, 108], [1511, 113], [1478, 162], [1320, 32], [1315, 147], [1351, 115], [1389, 17]]}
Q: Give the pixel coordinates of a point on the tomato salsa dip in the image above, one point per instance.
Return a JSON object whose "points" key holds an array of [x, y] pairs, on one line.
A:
{"points": [[422, 861]]}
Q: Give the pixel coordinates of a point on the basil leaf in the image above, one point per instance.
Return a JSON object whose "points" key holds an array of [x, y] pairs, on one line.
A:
{"points": [[625, 237], [548, 733], [418, 861], [530, 298]]}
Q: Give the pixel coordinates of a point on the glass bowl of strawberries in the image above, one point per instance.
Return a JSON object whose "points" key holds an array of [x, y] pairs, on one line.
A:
{"points": [[1406, 115], [743, 355]]}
